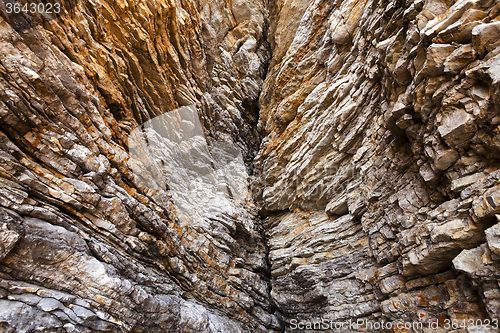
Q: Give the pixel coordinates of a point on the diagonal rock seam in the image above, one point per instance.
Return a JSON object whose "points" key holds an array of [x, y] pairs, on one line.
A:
{"points": [[369, 132]]}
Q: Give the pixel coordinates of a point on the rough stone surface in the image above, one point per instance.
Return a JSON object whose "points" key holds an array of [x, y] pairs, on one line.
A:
{"points": [[378, 168], [86, 244], [371, 183]]}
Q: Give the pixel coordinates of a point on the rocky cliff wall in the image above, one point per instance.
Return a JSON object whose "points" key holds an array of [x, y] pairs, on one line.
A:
{"points": [[87, 246], [378, 170], [369, 134]]}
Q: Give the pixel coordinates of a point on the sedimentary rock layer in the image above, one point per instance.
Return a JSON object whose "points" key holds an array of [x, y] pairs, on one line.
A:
{"points": [[231, 166], [378, 169], [87, 245]]}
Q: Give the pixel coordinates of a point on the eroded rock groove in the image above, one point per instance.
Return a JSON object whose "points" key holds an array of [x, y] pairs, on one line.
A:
{"points": [[326, 160]]}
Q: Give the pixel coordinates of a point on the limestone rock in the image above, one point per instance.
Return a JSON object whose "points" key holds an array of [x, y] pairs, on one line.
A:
{"points": [[485, 37], [445, 158], [11, 231], [232, 166], [79, 212], [385, 140], [493, 238], [459, 58], [436, 57], [457, 127]]}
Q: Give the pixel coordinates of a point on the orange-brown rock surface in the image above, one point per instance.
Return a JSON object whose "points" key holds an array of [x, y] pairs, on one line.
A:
{"points": [[85, 245], [378, 169], [247, 165]]}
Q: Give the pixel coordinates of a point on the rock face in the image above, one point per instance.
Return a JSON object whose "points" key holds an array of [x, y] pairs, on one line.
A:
{"points": [[378, 169], [240, 166], [87, 245]]}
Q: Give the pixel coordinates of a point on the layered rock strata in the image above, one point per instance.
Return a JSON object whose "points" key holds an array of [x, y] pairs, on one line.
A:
{"points": [[232, 166], [87, 244], [378, 170]]}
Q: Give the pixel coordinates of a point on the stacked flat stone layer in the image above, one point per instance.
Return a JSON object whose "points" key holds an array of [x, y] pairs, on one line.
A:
{"points": [[379, 168], [370, 135], [87, 245]]}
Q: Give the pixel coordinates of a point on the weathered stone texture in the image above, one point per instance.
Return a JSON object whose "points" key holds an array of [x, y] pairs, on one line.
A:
{"points": [[370, 134], [378, 169], [86, 246]]}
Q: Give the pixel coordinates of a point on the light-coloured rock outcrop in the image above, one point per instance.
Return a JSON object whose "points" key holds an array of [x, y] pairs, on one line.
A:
{"points": [[378, 170], [244, 165], [87, 243]]}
